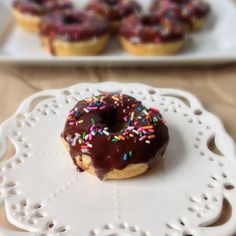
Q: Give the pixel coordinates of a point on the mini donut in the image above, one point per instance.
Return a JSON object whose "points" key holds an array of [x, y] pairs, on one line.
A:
{"points": [[191, 13], [28, 13], [74, 33], [114, 10], [151, 34], [113, 136]]}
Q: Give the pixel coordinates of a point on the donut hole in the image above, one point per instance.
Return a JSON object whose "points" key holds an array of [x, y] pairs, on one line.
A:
{"points": [[39, 2], [115, 126], [71, 20], [148, 20], [113, 122], [111, 2]]}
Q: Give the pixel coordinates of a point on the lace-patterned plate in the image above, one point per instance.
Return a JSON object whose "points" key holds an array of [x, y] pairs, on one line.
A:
{"points": [[185, 194]]}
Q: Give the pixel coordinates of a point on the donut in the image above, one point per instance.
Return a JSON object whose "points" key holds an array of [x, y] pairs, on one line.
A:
{"points": [[28, 13], [114, 136], [114, 10], [74, 33], [191, 13], [151, 34]]}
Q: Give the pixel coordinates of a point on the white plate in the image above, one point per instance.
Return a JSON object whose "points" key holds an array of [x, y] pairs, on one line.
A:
{"points": [[183, 195], [214, 44]]}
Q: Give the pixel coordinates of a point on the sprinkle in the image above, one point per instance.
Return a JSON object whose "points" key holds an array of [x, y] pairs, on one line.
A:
{"points": [[151, 136], [144, 121], [135, 131], [114, 140], [77, 114], [102, 108], [155, 119], [71, 113], [139, 109], [122, 137], [84, 147], [142, 138], [93, 132], [106, 133], [87, 111], [84, 134], [80, 121], [151, 130], [92, 108], [130, 153], [147, 141], [93, 121], [71, 123], [116, 137], [131, 135], [89, 145], [132, 116], [129, 122], [146, 127], [125, 157], [115, 98], [130, 128]]}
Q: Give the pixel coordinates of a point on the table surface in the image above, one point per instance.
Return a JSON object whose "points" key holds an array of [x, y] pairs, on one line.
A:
{"points": [[214, 86]]}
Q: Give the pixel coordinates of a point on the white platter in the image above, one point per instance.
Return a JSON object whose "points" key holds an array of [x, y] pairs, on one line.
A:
{"points": [[213, 45], [182, 195]]}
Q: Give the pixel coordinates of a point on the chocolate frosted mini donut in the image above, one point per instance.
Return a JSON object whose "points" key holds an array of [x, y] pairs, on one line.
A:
{"points": [[74, 32], [28, 13], [151, 34], [114, 10], [192, 13], [114, 136]]}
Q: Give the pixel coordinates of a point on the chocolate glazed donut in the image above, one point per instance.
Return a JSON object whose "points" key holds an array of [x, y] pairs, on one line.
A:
{"points": [[116, 131], [79, 29], [29, 13], [192, 13], [152, 34], [114, 10]]}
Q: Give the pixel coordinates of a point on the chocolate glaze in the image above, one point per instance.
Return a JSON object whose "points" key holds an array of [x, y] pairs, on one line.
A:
{"points": [[116, 116], [151, 28], [187, 11], [114, 10], [41, 7]]}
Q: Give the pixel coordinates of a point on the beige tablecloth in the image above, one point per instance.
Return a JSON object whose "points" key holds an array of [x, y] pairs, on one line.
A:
{"points": [[215, 87]]}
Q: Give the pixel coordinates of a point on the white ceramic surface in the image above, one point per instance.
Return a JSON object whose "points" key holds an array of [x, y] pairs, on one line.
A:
{"points": [[183, 195], [214, 44]]}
